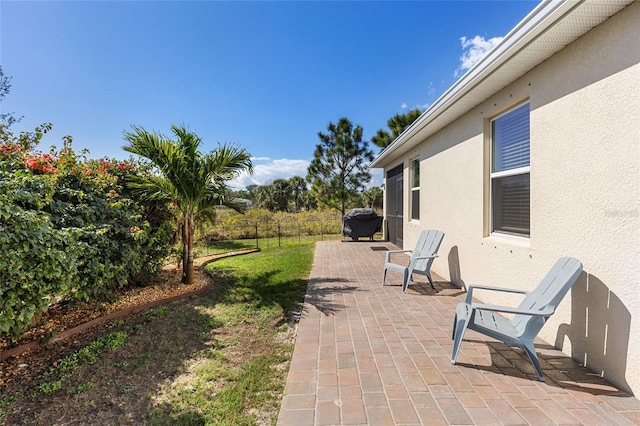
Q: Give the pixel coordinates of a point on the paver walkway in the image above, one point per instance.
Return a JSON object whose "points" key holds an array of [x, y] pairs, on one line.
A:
{"points": [[370, 355]]}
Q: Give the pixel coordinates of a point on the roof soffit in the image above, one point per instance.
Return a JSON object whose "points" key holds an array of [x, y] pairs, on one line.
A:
{"points": [[546, 30]]}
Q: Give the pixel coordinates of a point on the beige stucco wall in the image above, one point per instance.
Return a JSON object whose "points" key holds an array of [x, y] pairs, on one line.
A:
{"points": [[585, 195]]}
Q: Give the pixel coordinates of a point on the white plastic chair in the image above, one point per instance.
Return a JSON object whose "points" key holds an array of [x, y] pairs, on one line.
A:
{"points": [[421, 258], [532, 313]]}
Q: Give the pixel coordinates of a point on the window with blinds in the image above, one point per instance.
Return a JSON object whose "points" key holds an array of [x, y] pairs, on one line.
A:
{"points": [[415, 189], [510, 171]]}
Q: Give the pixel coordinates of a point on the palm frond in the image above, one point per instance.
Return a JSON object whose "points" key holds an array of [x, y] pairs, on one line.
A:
{"points": [[155, 188], [196, 181], [227, 162]]}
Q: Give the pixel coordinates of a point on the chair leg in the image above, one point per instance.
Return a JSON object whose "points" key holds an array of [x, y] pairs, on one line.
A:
{"points": [[533, 357], [384, 275], [463, 316], [430, 280], [405, 280]]}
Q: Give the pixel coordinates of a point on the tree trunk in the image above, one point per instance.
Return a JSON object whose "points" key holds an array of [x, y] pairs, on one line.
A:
{"points": [[187, 252]]}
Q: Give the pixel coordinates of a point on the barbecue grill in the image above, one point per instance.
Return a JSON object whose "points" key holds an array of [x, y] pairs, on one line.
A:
{"points": [[361, 223]]}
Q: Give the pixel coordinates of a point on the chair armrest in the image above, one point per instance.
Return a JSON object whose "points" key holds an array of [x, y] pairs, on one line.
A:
{"points": [[414, 260], [390, 252], [485, 287], [433, 256], [509, 310]]}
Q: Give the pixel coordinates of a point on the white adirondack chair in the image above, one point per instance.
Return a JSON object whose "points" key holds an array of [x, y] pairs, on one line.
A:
{"points": [[529, 317], [420, 261]]}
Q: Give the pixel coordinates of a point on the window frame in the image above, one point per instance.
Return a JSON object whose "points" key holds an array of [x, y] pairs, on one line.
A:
{"points": [[414, 191], [517, 171]]}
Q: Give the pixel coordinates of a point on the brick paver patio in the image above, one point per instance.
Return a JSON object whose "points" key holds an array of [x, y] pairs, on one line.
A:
{"points": [[370, 355]]}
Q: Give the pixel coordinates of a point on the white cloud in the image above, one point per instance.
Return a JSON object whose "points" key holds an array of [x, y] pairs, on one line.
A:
{"points": [[267, 170], [421, 107], [431, 91], [284, 168], [377, 176], [473, 50]]}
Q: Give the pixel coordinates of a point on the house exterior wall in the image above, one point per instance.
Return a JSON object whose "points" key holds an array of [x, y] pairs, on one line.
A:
{"points": [[585, 195]]}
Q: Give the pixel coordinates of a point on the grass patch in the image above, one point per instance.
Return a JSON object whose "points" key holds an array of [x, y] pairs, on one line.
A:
{"points": [[81, 388], [270, 281], [242, 377], [87, 355], [154, 314], [204, 248], [209, 248], [5, 402]]}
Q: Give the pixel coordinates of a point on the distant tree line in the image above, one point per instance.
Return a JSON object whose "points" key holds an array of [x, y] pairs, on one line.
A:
{"points": [[338, 174]]}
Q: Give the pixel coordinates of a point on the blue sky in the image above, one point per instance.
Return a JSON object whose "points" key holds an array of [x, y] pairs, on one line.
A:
{"points": [[267, 76]]}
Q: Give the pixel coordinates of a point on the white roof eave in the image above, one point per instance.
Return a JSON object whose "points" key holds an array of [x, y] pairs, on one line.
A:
{"points": [[447, 108]]}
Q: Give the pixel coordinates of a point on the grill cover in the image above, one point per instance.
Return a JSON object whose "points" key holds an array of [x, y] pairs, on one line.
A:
{"points": [[361, 223]]}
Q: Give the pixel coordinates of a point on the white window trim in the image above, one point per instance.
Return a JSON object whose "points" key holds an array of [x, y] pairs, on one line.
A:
{"points": [[512, 172], [510, 239], [412, 188], [505, 236]]}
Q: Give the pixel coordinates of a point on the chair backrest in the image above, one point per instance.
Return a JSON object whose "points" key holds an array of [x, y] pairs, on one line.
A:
{"points": [[549, 293], [428, 244]]}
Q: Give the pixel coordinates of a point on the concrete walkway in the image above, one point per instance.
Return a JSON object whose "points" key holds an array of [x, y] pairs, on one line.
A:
{"points": [[370, 355]]}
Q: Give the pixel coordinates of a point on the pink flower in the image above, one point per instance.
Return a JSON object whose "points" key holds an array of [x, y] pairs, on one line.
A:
{"points": [[43, 163]]}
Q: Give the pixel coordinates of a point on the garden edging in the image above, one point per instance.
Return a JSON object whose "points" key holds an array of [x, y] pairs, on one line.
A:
{"points": [[109, 317]]}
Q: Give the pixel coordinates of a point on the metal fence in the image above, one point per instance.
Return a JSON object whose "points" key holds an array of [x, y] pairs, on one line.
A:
{"points": [[237, 232]]}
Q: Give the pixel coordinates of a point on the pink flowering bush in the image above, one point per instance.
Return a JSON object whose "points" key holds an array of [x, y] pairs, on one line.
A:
{"points": [[43, 163], [69, 230]]}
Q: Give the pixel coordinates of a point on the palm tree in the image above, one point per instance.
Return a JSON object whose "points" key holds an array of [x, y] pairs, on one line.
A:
{"points": [[298, 188], [194, 182], [372, 197], [265, 198], [281, 191]]}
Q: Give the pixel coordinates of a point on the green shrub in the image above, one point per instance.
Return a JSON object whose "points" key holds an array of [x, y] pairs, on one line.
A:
{"points": [[40, 263], [69, 231], [235, 226]]}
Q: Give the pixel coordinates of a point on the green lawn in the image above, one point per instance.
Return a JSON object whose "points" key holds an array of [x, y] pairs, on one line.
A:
{"points": [[246, 368]]}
